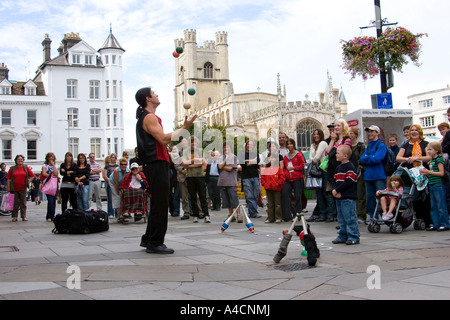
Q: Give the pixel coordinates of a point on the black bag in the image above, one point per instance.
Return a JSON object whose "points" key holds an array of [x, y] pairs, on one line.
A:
{"points": [[316, 171], [81, 222], [388, 161]]}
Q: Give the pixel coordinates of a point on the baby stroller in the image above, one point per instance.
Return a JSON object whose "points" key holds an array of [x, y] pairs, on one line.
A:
{"points": [[133, 202], [404, 214]]}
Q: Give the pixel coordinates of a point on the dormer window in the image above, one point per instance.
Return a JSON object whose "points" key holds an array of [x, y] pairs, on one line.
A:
{"points": [[5, 87], [76, 59], [29, 88], [5, 90], [89, 60]]}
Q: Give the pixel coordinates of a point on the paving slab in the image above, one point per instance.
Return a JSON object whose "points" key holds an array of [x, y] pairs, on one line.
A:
{"points": [[212, 265]]}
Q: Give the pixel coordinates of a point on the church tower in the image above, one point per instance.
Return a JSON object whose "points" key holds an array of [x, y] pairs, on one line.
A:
{"points": [[202, 68]]}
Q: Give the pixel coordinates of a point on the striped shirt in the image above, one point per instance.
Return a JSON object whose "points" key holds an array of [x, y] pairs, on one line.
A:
{"points": [[94, 166], [434, 166], [345, 181]]}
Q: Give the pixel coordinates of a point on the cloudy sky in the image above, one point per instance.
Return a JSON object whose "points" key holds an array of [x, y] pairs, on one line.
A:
{"points": [[297, 38]]}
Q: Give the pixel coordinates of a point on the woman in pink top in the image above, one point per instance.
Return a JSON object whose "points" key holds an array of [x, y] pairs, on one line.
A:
{"points": [[340, 136]]}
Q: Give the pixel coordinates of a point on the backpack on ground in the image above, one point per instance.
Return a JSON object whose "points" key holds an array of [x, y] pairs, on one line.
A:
{"points": [[389, 161], [81, 222]]}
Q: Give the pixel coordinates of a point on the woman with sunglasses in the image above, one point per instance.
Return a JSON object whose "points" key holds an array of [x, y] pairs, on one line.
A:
{"points": [[114, 181]]}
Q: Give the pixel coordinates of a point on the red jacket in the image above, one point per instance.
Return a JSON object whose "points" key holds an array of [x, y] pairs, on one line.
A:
{"points": [[272, 178], [127, 180], [298, 162]]}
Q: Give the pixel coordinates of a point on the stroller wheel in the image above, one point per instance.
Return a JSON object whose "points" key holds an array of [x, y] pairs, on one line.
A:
{"points": [[396, 228], [419, 224], [374, 227]]}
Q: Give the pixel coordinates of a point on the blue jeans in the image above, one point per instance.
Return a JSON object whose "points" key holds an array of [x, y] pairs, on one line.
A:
{"points": [[251, 192], [83, 201], [371, 199], [347, 219], [109, 201], [51, 207], [176, 199], [439, 214]]}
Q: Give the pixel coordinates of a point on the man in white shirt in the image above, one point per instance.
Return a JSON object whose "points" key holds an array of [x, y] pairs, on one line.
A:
{"points": [[94, 180]]}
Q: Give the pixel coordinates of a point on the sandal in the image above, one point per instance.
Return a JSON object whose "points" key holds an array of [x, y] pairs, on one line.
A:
{"points": [[24, 219], [14, 219]]}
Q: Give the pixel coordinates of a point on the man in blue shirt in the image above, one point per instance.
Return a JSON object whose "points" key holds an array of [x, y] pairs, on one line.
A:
{"points": [[212, 177], [374, 174]]}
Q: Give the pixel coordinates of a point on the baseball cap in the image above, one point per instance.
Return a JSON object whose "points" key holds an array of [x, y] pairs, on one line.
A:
{"points": [[331, 125], [134, 165], [373, 128]]}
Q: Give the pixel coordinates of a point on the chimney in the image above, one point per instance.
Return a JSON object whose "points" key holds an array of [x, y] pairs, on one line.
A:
{"points": [[46, 48], [70, 39], [4, 72]]}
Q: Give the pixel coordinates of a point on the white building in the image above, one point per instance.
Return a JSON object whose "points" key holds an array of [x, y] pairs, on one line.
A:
{"points": [[75, 103], [430, 109]]}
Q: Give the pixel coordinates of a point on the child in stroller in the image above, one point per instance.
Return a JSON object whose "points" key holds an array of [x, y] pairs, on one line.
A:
{"points": [[403, 212], [394, 185]]}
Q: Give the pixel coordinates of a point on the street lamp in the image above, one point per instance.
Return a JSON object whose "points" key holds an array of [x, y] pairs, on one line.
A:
{"points": [[68, 132]]}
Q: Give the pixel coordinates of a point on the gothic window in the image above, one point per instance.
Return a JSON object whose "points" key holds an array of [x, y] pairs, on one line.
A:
{"points": [[182, 74], [305, 130], [208, 70]]}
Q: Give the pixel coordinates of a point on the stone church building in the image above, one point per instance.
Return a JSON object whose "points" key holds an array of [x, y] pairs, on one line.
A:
{"points": [[204, 71]]}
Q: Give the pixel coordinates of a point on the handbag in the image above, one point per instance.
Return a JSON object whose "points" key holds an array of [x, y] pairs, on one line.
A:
{"points": [[9, 201], [51, 186], [79, 189], [419, 180], [313, 183], [315, 171], [3, 202], [324, 163]]}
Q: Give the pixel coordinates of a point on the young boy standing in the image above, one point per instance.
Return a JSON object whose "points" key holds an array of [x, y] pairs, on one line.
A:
{"points": [[345, 192]]}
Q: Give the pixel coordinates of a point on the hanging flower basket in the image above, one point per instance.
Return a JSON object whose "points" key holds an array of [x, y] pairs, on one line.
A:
{"points": [[367, 56], [360, 57]]}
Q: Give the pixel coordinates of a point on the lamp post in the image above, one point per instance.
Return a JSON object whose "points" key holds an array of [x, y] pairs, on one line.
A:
{"points": [[68, 133], [386, 78]]}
